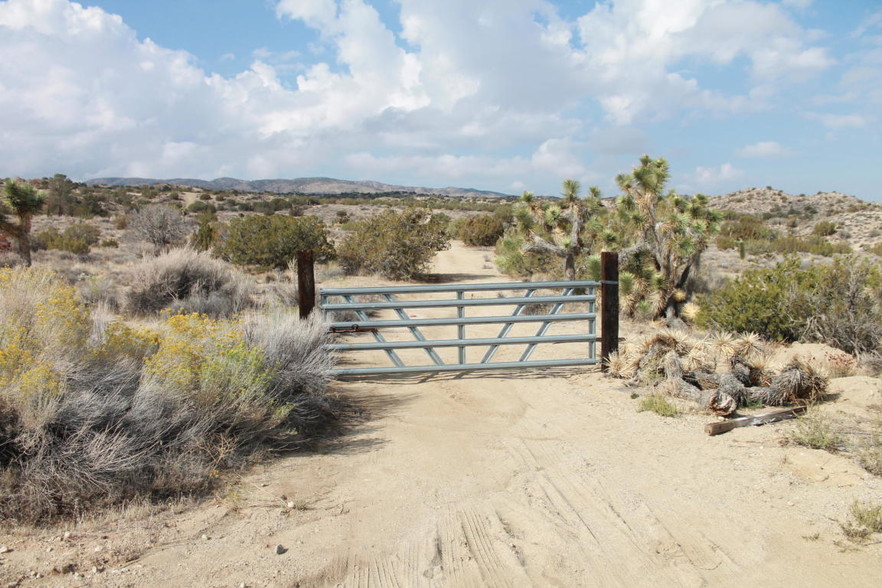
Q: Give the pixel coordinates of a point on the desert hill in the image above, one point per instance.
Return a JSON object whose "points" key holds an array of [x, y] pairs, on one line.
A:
{"points": [[296, 186], [857, 221]]}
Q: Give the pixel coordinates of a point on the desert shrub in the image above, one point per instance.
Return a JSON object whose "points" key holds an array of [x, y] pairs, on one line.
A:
{"points": [[77, 238], [94, 412], [876, 249], [839, 304], [746, 227], [481, 231], [206, 233], [397, 245], [273, 241], [848, 306], [200, 206], [815, 244], [824, 228], [771, 302], [160, 225], [184, 280]]}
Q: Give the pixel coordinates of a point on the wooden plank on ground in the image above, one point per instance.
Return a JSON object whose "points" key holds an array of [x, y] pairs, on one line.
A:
{"points": [[756, 419]]}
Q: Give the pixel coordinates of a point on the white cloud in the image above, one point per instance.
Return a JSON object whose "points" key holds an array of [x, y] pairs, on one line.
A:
{"points": [[707, 177], [836, 122], [763, 149], [462, 90], [632, 46]]}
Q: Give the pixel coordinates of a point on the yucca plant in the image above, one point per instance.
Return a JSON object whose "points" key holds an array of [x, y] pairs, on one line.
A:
{"points": [[24, 201]]}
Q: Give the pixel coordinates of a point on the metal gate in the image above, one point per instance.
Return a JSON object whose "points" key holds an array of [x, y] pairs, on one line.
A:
{"points": [[425, 328]]}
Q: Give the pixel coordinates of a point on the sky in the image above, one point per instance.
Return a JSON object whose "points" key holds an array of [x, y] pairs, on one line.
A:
{"points": [[502, 95]]}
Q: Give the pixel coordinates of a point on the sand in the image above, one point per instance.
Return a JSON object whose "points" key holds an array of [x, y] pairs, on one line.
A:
{"points": [[520, 479]]}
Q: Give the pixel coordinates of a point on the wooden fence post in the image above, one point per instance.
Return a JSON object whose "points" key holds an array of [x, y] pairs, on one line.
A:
{"points": [[609, 306], [305, 283]]}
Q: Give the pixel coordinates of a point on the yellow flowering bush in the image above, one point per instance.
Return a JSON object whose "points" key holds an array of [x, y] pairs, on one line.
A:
{"points": [[94, 410]]}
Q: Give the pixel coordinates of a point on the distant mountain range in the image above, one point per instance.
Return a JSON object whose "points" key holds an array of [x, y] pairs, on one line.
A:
{"points": [[297, 186]]}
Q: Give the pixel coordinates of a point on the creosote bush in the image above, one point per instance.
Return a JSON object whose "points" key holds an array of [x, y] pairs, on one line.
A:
{"points": [[184, 280], [839, 304], [481, 231], [397, 245], [94, 412], [77, 238]]}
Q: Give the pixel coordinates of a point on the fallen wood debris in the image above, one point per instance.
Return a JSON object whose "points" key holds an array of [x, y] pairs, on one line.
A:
{"points": [[720, 373], [781, 414]]}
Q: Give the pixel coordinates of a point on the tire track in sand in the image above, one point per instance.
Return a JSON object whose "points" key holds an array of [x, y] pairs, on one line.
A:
{"points": [[606, 526]]}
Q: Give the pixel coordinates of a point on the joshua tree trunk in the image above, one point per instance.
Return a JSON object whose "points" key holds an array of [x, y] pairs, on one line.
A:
{"points": [[24, 241], [570, 265]]}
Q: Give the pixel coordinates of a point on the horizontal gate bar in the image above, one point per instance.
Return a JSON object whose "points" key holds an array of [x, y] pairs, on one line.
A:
{"points": [[460, 287], [474, 320], [457, 303], [468, 367], [462, 342]]}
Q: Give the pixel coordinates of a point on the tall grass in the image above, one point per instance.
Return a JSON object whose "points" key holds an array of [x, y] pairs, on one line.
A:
{"points": [[94, 411]]}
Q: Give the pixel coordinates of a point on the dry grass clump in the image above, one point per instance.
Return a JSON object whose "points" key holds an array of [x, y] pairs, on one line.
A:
{"points": [[865, 519], [659, 405], [95, 412], [816, 432], [185, 280]]}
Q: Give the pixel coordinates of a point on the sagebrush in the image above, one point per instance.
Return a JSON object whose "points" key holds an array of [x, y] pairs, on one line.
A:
{"points": [[94, 411], [184, 281]]}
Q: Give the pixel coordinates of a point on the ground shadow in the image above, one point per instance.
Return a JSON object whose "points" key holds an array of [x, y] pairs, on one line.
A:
{"points": [[504, 374], [450, 278], [356, 431]]}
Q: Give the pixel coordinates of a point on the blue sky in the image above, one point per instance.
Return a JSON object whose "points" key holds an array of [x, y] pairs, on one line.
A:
{"points": [[505, 95]]}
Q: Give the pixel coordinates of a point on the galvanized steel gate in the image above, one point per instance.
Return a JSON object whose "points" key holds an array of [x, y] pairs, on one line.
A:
{"points": [[554, 299]]}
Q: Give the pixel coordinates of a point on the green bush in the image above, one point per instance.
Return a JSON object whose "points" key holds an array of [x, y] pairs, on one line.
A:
{"points": [[199, 207], [771, 302], [745, 227], [76, 238], [839, 304], [397, 245], [481, 231], [273, 241], [824, 228]]}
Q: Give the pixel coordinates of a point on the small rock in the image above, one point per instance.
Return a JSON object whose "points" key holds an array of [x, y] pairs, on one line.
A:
{"points": [[95, 569], [66, 535], [48, 550], [204, 537], [291, 504], [280, 550], [4, 549], [97, 548]]}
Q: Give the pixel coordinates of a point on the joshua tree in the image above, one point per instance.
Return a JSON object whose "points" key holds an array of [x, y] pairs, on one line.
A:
{"points": [[567, 229], [24, 202], [667, 232]]}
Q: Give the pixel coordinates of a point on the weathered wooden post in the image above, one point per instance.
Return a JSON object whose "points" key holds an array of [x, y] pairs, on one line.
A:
{"points": [[609, 307], [305, 283]]}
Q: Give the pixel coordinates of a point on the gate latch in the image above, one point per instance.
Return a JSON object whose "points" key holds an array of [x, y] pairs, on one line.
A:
{"points": [[353, 329]]}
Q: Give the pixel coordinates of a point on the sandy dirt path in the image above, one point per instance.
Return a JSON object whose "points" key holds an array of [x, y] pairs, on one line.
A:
{"points": [[538, 479]]}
